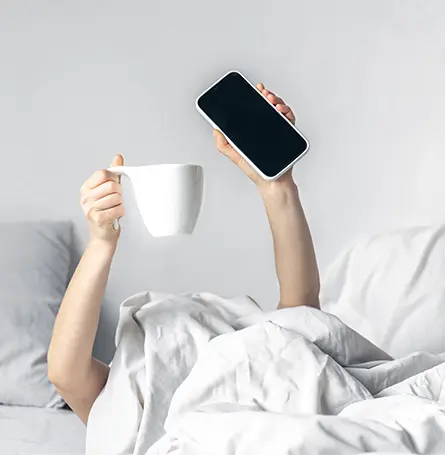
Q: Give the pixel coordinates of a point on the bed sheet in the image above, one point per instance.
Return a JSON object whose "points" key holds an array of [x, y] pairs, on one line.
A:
{"points": [[201, 374], [26, 431]]}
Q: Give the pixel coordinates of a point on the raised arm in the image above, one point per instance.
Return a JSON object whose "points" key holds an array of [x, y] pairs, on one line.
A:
{"points": [[295, 259], [77, 376]]}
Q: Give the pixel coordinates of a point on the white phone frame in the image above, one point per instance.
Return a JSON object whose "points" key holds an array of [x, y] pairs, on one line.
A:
{"points": [[265, 177]]}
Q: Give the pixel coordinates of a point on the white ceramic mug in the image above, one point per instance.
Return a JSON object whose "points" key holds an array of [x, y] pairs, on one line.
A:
{"points": [[168, 196]]}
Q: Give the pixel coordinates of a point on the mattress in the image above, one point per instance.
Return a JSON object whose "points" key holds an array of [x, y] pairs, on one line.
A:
{"points": [[26, 431]]}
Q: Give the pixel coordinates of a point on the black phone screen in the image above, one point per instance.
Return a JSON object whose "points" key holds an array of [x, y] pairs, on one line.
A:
{"points": [[252, 124]]}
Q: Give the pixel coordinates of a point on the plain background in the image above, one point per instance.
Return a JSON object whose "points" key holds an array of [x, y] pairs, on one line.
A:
{"points": [[81, 80]]}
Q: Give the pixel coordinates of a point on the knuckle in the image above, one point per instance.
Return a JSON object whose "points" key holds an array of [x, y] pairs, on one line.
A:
{"points": [[107, 187], [90, 213], [112, 187], [102, 174], [84, 198], [117, 188]]}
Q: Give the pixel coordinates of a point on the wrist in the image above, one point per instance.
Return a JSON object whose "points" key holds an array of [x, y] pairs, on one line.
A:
{"points": [[102, 246], [278, 188]]}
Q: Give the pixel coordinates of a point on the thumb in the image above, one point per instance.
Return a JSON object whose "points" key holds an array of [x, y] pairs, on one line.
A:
{"points": [[220, 140], [118, 160]]}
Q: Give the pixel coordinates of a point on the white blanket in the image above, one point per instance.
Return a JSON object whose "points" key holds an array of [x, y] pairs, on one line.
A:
{"points": [[203, 375]]}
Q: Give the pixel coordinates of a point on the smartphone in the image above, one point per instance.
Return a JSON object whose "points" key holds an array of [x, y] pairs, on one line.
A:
{"points": [[267, 140]]}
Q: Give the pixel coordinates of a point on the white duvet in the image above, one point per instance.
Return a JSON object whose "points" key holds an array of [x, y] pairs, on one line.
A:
{"points": [[203, 375]]}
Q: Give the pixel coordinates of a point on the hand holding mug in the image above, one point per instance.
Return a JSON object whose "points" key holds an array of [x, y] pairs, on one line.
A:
{"points": [[102, 204]]}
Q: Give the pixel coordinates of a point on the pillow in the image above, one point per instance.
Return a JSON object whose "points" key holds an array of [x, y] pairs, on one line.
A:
{"points": [[35, 262], [391, 289]]}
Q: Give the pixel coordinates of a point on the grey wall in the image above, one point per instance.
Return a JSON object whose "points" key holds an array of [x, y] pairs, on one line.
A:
{"points": [[81, 80]]}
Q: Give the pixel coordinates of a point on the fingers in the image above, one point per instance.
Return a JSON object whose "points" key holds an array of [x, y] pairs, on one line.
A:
{"points": [[104, 189], [108, 202], [104, 175], [278, 102], [100, 177], [107, 217], [283, 108], [102, 203], [286, 111], [266, 92], [275, 99]]}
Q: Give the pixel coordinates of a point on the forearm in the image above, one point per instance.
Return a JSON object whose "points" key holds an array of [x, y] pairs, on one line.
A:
{"points": [[295, 259], [70, 358]]}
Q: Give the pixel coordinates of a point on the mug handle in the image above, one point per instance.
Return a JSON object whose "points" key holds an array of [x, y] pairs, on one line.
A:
{"points": [[118, 170]]}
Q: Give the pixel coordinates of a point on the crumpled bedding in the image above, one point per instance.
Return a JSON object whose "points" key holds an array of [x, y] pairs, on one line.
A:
{"points": [[203, 375]]}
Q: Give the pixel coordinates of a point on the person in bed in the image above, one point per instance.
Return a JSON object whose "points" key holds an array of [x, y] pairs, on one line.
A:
{"points": [[76, 374]]}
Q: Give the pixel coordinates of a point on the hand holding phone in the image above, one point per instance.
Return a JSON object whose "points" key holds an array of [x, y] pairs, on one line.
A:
{"points": [[223, 145], [253, 127]]}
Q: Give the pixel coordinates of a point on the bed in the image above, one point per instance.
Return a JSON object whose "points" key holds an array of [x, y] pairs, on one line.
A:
{"points": [[29, 430], [388, 288], [200, 374]]}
